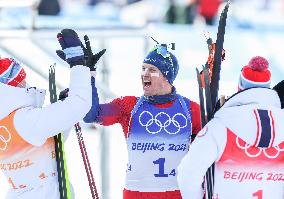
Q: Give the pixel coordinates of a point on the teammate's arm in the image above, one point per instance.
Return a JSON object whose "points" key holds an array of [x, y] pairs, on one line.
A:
{"points": [[201, 155]]}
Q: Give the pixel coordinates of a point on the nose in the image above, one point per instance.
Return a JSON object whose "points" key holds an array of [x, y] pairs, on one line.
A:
{"points": [[145, 72]]}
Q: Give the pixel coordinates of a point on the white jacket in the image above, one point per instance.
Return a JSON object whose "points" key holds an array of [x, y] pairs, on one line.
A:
{"points": [[33, 174], [234, 128]]}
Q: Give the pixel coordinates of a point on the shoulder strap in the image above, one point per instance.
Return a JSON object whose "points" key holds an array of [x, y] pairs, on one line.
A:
{"points": [[134, 110], [184, 107], [137, 105], [186, 110]]}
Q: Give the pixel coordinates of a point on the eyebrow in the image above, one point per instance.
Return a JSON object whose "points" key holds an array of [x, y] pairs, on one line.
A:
{"points": [[150, 68]]}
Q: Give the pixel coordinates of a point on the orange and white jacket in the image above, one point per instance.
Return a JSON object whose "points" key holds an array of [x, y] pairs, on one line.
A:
{"points": [[27, 156], [245, 139]]}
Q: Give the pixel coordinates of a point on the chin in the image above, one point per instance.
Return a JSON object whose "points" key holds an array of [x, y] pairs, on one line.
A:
{"points": [[149, 92], [146, 93]]}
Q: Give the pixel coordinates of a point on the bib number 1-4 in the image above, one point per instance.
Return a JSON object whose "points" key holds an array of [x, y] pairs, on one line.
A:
{"points": [[161, 164]]}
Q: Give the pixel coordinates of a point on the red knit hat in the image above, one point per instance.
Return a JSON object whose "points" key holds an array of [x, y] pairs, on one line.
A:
{"points": [[255, 74], [11, 72]]}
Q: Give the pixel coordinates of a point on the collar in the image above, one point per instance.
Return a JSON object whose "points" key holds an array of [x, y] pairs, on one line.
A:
{"points": [[162, 99], [263, 96]]}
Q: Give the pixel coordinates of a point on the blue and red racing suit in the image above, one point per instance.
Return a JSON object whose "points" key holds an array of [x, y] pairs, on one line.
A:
{"points": [[157, 137]]}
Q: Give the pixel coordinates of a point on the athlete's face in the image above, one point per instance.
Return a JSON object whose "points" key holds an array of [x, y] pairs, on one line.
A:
{"points": [[153, 81]]}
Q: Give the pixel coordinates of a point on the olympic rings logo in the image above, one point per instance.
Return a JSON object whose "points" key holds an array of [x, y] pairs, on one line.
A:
{"points": [[5, 137], [249, 150], [163, 123]]}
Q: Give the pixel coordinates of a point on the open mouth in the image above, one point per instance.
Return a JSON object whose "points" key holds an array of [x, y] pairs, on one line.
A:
{"points": [[146, 83]]}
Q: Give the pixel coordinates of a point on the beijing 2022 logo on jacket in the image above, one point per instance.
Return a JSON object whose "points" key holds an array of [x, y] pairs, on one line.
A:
{"points": [[253, 152]]}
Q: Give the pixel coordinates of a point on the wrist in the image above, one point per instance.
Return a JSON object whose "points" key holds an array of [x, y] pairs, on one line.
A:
{"points": [[76, 62], [74, 55], [72, 52]]}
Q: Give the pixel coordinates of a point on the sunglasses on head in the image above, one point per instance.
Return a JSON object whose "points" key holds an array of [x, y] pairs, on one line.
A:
{"points": [[161, 49]]}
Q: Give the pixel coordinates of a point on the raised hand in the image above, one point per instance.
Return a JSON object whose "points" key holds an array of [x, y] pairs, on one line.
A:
{"points": [[72, 51], [90, 58]]}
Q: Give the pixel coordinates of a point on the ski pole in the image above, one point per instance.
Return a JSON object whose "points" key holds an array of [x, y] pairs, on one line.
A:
{"points": [[87, 165], [63, 181]]}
